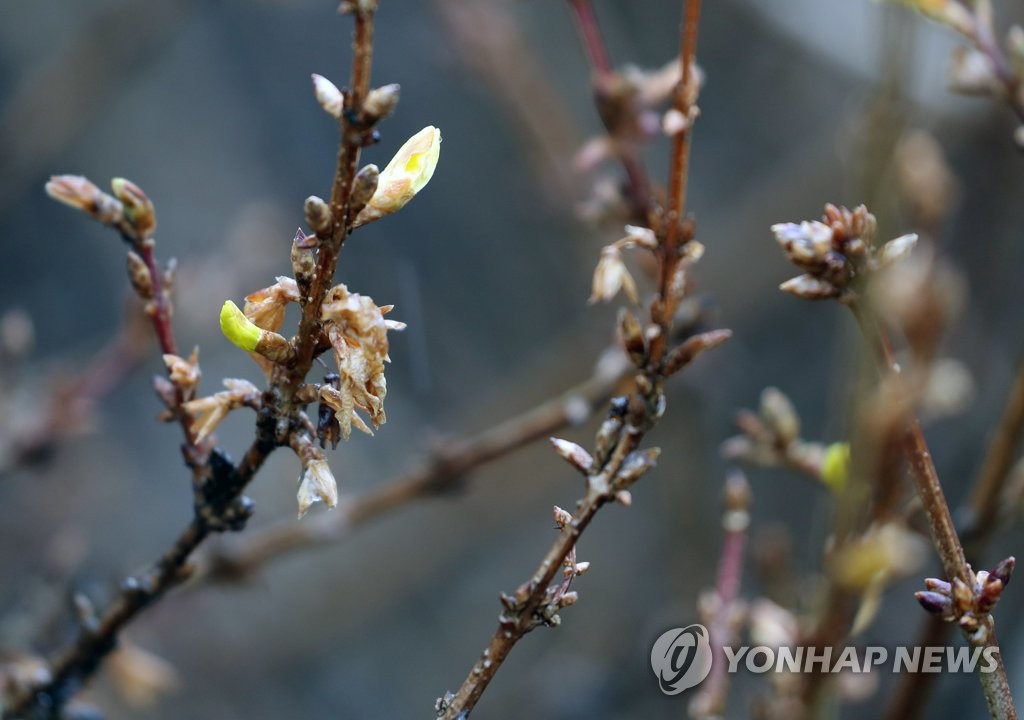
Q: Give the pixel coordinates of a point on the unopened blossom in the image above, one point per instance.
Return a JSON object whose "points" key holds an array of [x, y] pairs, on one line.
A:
{"points": [[408, 172]]}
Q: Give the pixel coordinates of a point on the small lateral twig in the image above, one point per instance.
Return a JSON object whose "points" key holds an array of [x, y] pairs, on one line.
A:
{"points": [[604, 83], [440, 473]]}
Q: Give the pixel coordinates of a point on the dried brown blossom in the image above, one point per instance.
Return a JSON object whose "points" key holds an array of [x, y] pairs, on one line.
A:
{"points": [[208, 412], [184, 374], [266, 307], [317, 484], [610, 276], [357, 331]]}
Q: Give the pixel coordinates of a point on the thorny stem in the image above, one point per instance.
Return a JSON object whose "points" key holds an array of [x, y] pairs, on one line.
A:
{"points": [[217, 489], [523, 611], [995, 685], [439, 473]]}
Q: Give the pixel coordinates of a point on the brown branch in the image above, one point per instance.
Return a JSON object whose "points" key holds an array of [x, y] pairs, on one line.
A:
{"points": [[217, 483], [612, 104], [995, 685], [71, 400], [440, 473], [908, 700], [616, 464]]}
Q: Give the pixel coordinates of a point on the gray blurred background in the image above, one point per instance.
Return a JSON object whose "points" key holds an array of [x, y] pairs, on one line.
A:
{"points": [[208, 107]]}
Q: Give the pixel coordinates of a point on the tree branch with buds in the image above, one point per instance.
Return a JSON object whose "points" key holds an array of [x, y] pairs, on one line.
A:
{"points": [[617, 461], [839, 262], [332, 319]]}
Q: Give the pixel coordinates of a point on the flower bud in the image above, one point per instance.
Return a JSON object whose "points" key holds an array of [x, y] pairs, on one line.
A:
{"points": [[244, 333], [408, 172], [138, 273], [835, 468], [363, 188], [303, 257], [328, 95], [318, 215], [380, 102], [573, 454], [80, 193], [138, 208], [682, 355]]}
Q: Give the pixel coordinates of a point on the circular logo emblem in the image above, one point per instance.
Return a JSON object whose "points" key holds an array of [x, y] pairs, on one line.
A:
{"points": [[681, 658]]}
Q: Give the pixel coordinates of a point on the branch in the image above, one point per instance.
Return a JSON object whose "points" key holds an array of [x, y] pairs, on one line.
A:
{"points": [[217, 483], [908, 700], [438, 474], [617, 461]]}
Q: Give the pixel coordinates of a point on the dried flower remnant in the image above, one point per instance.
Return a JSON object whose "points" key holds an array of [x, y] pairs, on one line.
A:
{"points": [[317, 484], [408, 172], [611, 274], [141, 677], [208, 412], [266, 307], [357, 331]]}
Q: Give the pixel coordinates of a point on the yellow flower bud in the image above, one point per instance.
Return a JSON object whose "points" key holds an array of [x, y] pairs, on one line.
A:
{"points": [[237, 328], [408, 172], [835, 468]]}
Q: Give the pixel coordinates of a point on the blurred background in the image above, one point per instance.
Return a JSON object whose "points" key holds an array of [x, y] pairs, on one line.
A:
{"points": [[208, 107]]}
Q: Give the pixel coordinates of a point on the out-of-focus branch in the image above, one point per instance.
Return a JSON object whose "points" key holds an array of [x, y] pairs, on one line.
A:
{"points": [[70, 402], [719, 609]]}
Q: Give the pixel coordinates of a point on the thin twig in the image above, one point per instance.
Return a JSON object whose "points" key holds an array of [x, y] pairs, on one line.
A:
{"points": [[995, 685], [604, 83], [908, 701], [615, 466], [440, 473]]}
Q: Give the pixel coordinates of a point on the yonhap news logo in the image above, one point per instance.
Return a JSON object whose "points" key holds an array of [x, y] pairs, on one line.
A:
{"points": [[681, 659]]}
